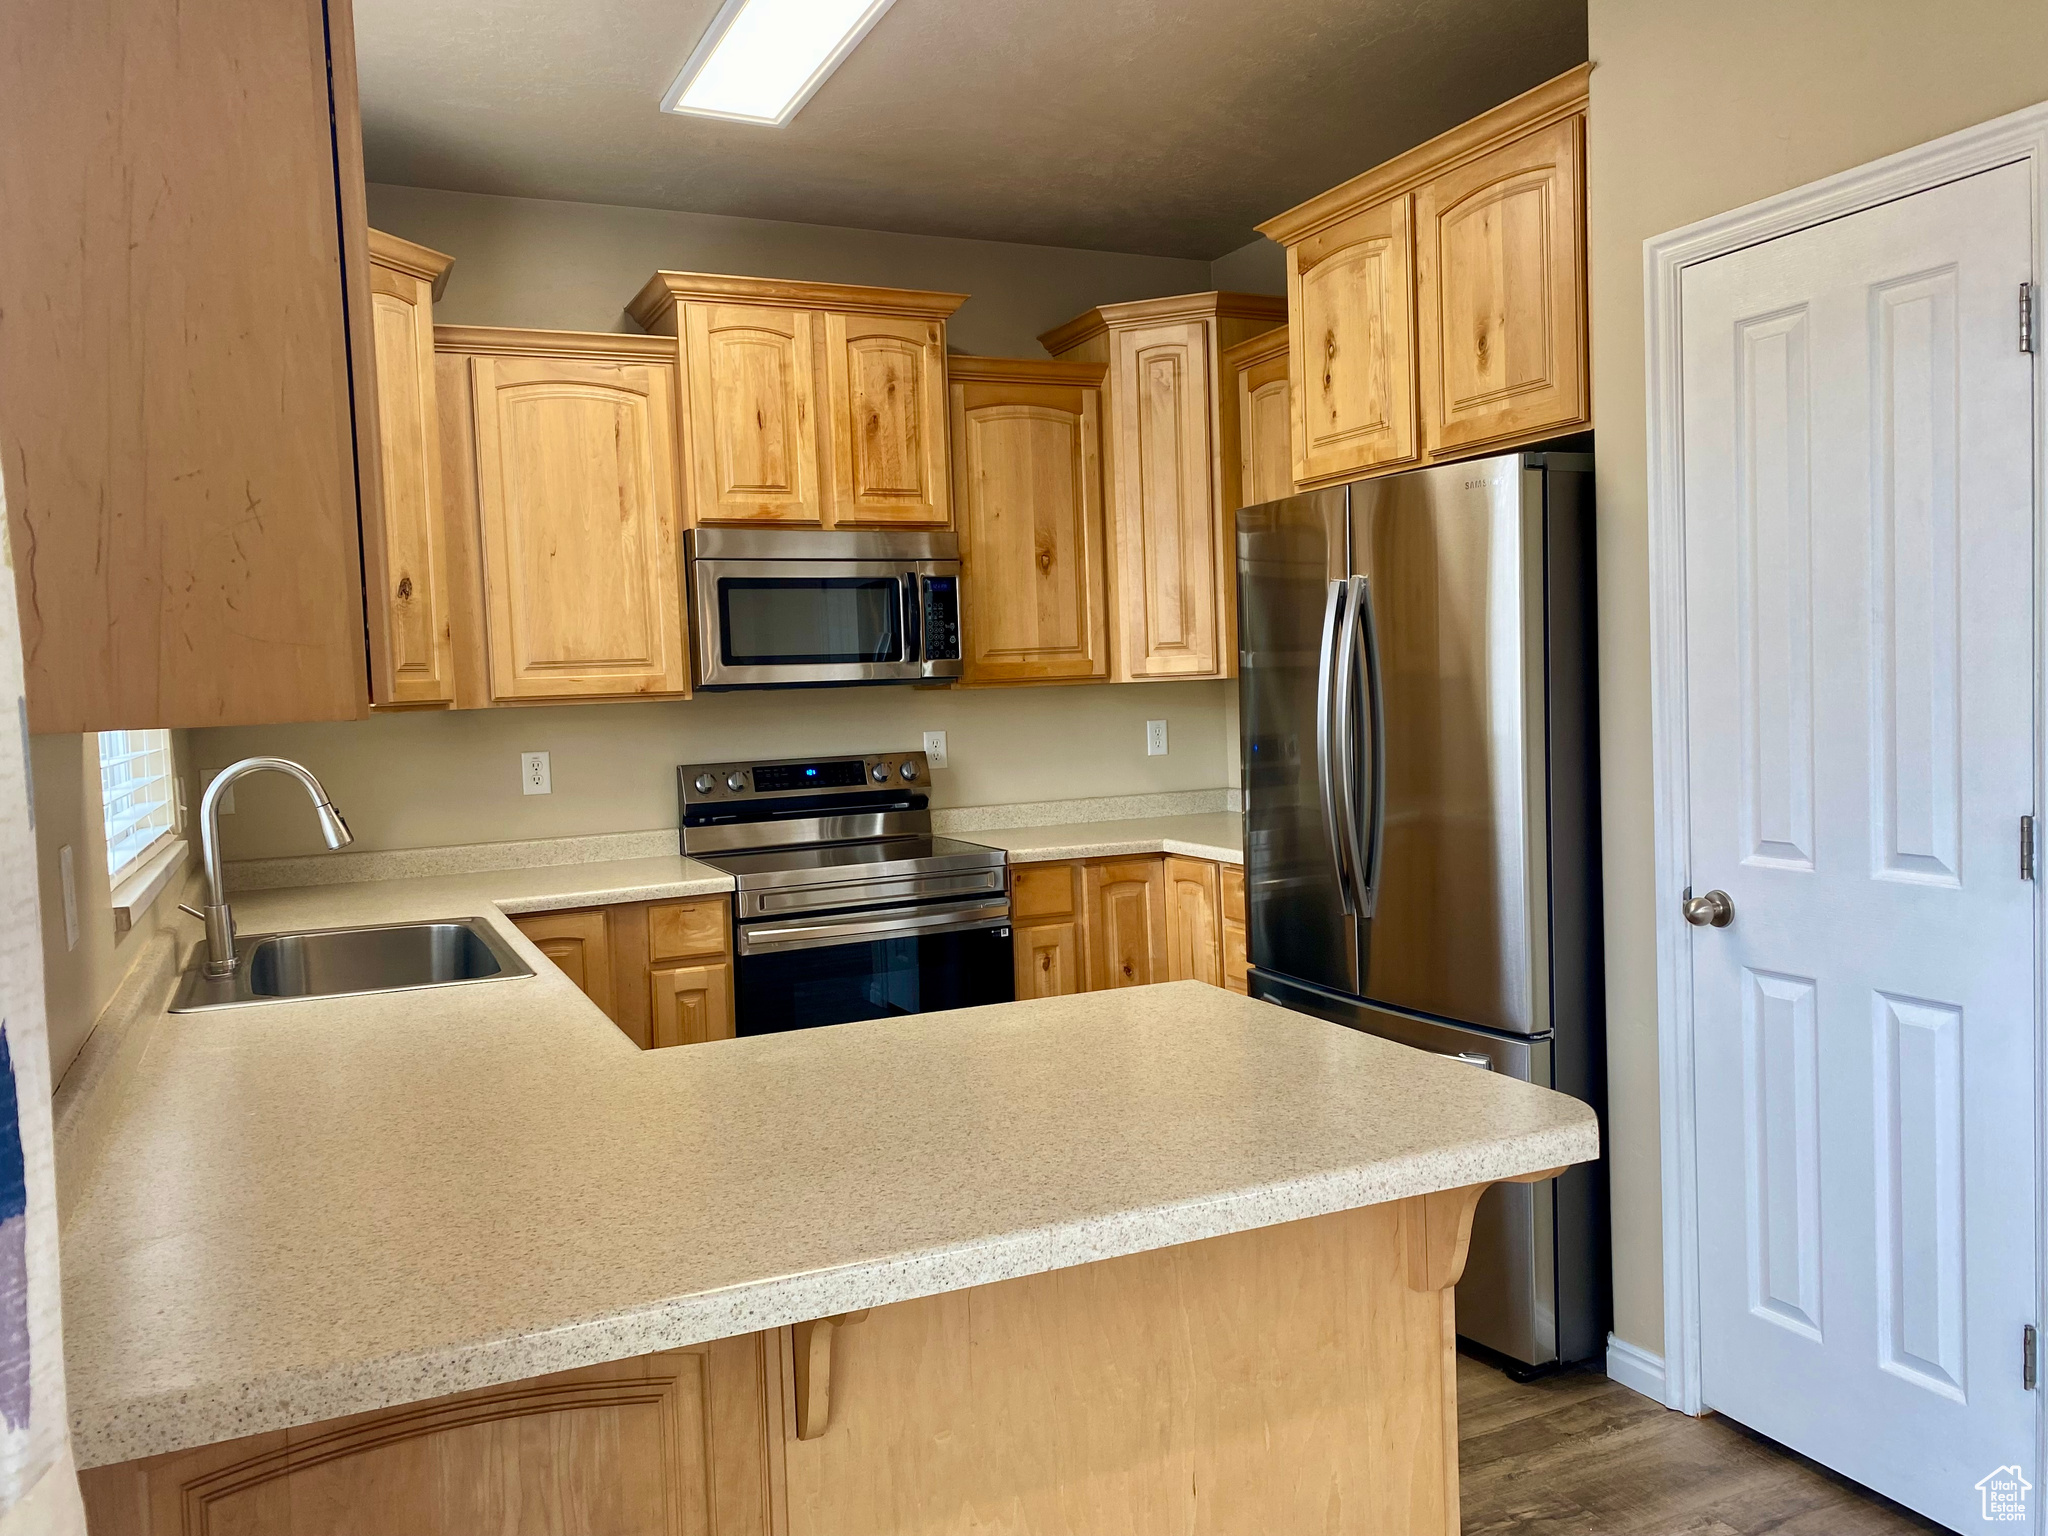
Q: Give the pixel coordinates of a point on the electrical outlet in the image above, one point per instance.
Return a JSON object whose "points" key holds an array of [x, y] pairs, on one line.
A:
{"points": [[70, 879], [1155, 738], [935, 748], [226, 807], [534, 775]]}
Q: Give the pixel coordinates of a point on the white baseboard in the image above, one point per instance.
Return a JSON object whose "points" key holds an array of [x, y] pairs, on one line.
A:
{"points": [[1636, 1369]]}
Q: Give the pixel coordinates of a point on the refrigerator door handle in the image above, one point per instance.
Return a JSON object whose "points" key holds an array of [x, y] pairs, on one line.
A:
{"points": [[1346, 728], [1367, 860], [1328, 684]]}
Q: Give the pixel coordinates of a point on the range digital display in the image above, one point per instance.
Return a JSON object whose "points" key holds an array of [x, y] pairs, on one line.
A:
{"points": [[774, 778]]}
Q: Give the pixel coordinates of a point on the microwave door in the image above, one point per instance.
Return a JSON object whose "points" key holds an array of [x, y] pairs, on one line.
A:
{"points": [[768, 623]]}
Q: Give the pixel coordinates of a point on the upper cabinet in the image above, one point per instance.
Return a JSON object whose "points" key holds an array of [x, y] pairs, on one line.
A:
{"points": [[1027, 493], [1439, 301], [179, 431], [1259, 367], [412, 654], [569, 444], [814, 404], [1174, 481]]}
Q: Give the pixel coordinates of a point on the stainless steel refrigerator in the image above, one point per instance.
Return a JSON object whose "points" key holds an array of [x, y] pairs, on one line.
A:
{"points": [[1416, 699]]}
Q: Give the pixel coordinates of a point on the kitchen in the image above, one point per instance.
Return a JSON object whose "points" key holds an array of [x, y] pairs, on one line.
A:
{"points": [[899, 397]]}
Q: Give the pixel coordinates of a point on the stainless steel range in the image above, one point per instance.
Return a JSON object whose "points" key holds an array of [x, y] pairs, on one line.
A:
{"points": [[848, 907]]}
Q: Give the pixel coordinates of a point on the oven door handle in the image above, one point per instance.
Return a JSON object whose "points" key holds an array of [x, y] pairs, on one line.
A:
{"points": [[863, 927]]}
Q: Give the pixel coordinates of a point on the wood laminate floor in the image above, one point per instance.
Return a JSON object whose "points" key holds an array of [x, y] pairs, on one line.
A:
{"points": [[1577, 1455]]}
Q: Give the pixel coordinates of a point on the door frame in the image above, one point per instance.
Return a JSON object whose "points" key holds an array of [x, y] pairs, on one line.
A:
{"points": [[2019, 137]]}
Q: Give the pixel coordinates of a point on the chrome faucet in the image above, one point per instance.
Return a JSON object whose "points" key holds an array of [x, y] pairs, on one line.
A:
{"points": [[220, 922]]}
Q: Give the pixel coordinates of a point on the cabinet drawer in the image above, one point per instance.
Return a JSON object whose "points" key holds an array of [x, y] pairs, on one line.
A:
{"points": [[684, 930], [1041, 890]]}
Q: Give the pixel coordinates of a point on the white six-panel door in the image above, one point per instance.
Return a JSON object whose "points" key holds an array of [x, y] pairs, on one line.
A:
{"points": [[1859, 635]]}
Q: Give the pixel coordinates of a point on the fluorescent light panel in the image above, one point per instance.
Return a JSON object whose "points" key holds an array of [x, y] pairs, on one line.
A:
{"points": [[760, 60]]}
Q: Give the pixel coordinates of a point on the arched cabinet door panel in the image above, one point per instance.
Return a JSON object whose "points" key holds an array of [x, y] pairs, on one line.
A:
{"points": [[753, 414]]}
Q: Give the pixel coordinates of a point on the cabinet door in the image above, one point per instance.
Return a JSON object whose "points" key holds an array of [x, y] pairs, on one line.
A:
{"points": [[1125, 936], [1352, 358], [692, 1004], [1265, 451], [412, 653], [886, 377], [753, 414], [1501, 277], [1027, 474], [1048, 960], [1237, 967], [1166, 594], [579, 944], [1194, 936], [677, 1443], [576, 496]]}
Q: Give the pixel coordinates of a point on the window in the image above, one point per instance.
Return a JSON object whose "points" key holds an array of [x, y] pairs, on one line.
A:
{"points": [[138, 796]]}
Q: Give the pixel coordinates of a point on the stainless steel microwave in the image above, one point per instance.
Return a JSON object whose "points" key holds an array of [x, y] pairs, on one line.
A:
{"points": [[790, 608]]}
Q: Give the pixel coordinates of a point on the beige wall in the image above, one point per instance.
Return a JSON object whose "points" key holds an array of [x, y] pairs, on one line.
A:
{"points": [[1699, 106], [78, 980], [418, 780], [574, 266], [1260, 267]]}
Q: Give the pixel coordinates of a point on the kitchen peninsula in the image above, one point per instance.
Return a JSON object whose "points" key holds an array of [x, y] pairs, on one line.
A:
{"points": [[1158, 1258]]}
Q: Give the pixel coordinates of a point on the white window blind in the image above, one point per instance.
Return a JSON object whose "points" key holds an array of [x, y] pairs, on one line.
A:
{"points": [[137, 796]]}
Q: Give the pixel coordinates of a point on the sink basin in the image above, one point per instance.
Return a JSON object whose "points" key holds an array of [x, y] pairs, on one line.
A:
{"points": [[348, 962]]}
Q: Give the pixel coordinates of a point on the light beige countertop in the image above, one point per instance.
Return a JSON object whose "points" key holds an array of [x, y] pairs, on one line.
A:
{"points": [[1218, 836], [315, 1208]]}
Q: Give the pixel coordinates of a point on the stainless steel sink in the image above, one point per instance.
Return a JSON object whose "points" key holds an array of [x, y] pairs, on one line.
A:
{"points": [[347, 962]]}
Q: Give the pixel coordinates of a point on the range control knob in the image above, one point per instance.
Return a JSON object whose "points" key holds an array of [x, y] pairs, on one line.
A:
{"points": [[879, 773], [909, 772], [703, 783], [735, 782]]}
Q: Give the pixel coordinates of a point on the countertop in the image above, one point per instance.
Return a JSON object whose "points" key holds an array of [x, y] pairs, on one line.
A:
{"points": [[1218, 836], [322, 1207]]}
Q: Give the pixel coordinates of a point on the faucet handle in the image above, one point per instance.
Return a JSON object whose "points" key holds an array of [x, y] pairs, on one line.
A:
{"points": [[191, 911]]}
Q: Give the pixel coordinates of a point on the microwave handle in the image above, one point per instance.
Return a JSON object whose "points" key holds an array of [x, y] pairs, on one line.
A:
{"points": [[913, 617]]}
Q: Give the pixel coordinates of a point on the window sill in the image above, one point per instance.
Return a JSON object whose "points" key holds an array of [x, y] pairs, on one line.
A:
{"points": [[145, 882]]}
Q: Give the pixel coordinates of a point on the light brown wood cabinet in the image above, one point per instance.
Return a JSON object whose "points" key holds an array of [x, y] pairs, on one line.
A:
{"points": [[1172, 424], [686, 1441], [661, 970], [410, 623], [1093, 924], [1265, 465], [185, 460], [576, 505], [816, 404], [1439, 299], [1027, 495]]}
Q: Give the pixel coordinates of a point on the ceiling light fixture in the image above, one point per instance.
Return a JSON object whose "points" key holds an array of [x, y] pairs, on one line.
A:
{"points": [[760, 60]]}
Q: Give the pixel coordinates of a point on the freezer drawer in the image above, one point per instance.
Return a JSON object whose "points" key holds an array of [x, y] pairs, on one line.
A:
{"points": [[1535, 1284]]}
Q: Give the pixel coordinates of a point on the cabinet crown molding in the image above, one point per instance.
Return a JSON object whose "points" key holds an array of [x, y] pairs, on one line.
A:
{"points": [[654, 306], [1257, 349], [411, 258], [1180, 306], [1548, 102], [515, 341], [964, 369]]}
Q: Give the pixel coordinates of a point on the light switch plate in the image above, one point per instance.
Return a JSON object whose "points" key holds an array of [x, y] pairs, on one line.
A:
{"points": [[1155, 738], [535, 777], [70, 878], [935, 748]]}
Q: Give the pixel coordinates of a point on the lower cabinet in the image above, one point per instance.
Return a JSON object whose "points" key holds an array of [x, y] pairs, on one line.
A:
{"points": [[683, 1443], [660, 970], [1094, 924]]}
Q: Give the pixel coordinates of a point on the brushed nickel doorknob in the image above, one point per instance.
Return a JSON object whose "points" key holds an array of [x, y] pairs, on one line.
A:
{"points": [[1713, 910]]}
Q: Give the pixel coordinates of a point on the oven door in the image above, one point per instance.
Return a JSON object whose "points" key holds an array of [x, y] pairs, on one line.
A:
{"points": [[798, 973], [777, 623]]}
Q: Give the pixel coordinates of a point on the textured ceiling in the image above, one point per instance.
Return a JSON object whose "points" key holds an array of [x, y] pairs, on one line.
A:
{"points": [[1167, 127]]}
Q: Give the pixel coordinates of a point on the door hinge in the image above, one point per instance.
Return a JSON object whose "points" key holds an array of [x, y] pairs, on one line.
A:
{"points": [[2026, 317], [2026, 847], [2029, 1359]]}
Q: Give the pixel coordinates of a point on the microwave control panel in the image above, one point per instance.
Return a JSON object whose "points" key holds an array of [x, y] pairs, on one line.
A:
{"points": [[941, 618]]}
